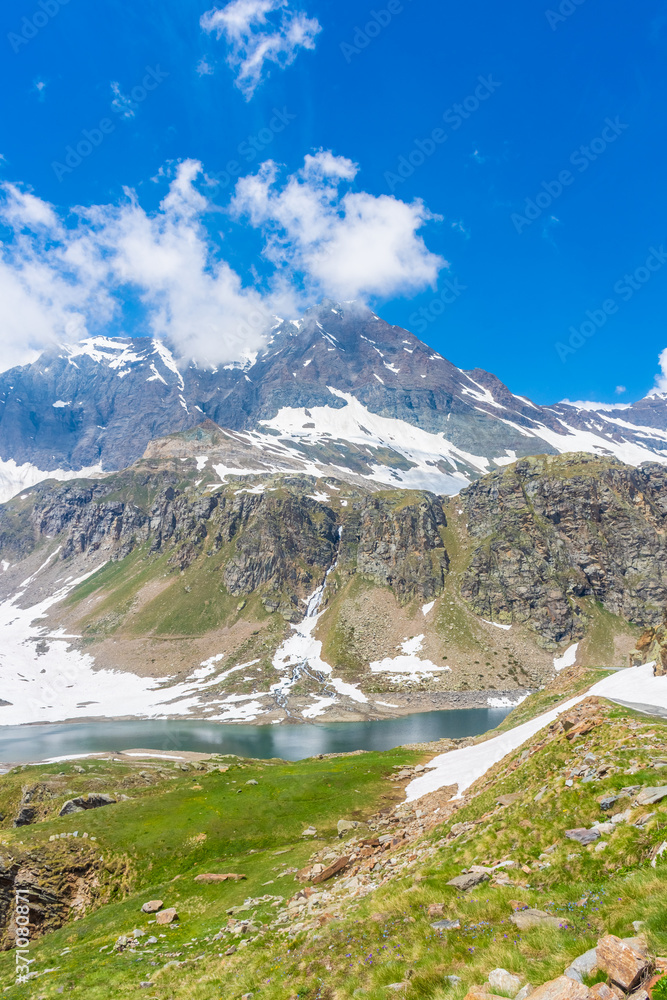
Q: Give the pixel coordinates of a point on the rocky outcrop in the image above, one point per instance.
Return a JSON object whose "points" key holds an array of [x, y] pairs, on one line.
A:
{"points": [[61, 881], [279, 543], [548, 532], [652, 647], [399, 545]]}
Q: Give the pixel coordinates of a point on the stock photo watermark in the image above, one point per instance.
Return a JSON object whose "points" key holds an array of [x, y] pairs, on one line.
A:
{"points": [[253, 145], [378, 20], [581, 159], [565, 10], [31, 26], [421, 319], [22, 921], [625, 288], [454, 117], [92, 138]]}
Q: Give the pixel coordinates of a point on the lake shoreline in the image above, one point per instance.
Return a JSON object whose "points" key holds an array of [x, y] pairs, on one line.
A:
{"points": [[401, 704], [49, 742]]}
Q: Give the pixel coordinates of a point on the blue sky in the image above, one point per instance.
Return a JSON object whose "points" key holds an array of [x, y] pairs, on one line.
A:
{"points": [[542, 190]]}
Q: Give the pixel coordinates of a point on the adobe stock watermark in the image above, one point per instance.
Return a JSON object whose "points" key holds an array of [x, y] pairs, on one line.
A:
{"points": [[253, 145], [625, 288], [378, 20], [31, 26], [22, 938], [421, 319], [92, 138], [581, 159], [565, 10], [454, 117]]}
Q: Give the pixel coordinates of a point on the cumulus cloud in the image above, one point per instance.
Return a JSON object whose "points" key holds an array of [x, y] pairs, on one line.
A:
{"points": [[346, 244], [66, 277], [258, 33], [58, 283], [661, 379]]}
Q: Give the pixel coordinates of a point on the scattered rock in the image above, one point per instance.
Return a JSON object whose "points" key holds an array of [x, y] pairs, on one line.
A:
{"points": [[562, 988], [525, 919], [152, 906], [345, 826], [624, 965], [508, 800], [525, 992], [332, 870], [649, 796], [583, 966], [252, 782], [503, 981], [608, 802], [446, 925], [466, 882], [167, 916], [583, 836], [309, 832]]}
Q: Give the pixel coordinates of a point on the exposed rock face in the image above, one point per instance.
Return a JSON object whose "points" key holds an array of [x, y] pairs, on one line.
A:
{"points": [[401, 547], [280, 543], [94, 800], [60, 882], [652, 646], [550, 531]]}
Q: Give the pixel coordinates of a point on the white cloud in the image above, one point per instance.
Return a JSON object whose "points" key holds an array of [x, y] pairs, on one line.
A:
{"points": [[260, 32], [347, 245], [121, 103], [661, 379], [204, 67], [64, 278], [59, 284]]}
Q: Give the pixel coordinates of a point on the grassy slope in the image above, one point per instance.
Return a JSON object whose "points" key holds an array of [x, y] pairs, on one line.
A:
{"points": [[193, 823], [387, 936]]}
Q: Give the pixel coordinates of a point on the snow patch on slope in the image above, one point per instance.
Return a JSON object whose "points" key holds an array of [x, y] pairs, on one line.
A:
{"points": [[16, 478], [634, 686], [357, 425], [568, 659]]}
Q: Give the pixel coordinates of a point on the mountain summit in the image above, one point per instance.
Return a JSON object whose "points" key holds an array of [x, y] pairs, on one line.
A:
{"points": [[339, 386]]}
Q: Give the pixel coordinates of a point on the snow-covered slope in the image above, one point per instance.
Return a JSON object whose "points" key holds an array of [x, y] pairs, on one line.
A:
{"points": [[337, 387], [636, 688]]}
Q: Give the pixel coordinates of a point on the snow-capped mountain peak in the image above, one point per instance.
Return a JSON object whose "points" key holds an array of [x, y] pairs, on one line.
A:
{"points": [[338, 386]]}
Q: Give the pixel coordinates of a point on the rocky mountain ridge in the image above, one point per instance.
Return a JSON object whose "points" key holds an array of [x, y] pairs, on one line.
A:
{"points": [[259, 599], [338, 385]]}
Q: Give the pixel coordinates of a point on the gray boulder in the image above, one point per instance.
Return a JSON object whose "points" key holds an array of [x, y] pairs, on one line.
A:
{"points": [[583, 836], [95, 800], [466, 882], [582, 966], [649, 796]]}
